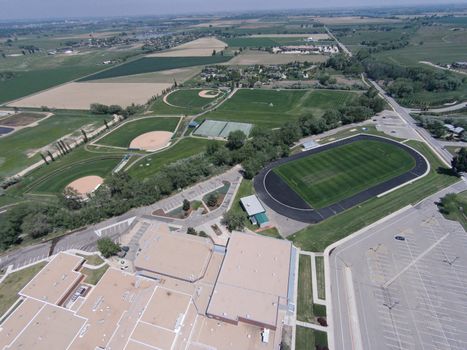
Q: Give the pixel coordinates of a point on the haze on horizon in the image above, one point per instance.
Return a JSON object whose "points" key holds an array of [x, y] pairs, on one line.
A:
{"points": [[38, 9]]}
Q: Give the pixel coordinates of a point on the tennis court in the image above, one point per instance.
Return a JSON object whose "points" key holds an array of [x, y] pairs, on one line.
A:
{"points": [[222, 129]]}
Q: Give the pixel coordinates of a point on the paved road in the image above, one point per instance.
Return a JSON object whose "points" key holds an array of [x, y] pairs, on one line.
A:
{"points": [[402, 294], [452, 108], [86, 239], [404, 114]]}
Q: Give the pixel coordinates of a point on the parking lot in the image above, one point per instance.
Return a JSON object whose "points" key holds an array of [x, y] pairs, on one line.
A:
{"points": [[409, 293]]}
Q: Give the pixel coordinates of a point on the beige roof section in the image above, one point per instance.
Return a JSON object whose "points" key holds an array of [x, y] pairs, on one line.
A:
{"points": [[156, 337], [38, 335], [212, 334], [173, 254], [18, 320], [134, 345], [253, 277], [112, 309], [166, 308], [55, 280]]}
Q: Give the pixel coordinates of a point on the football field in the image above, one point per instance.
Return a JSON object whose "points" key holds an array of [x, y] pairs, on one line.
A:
{"points": [[325, 178]]}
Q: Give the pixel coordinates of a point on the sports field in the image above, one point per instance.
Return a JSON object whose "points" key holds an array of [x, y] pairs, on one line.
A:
{"points": [[189, 99], [122, 136], [335, 174], [155, 64], [21, 148], [272, 108]]}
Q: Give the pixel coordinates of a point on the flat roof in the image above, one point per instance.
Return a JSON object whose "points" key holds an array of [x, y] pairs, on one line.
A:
{"points": [[177, 255], [55, 280], [38, 336], [252, 205], [253, 279]]}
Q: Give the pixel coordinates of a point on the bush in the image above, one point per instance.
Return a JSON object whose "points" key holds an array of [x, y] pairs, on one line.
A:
{"points": [[234, 220], [212, 200]]}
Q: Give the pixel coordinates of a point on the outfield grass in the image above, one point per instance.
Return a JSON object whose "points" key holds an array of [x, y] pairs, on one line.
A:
{"points": [[318, 237], [308, 339], [189, 98], [123, 135], [155, 64], [14, 148], [183, 149], [328, 177], [272, 108], [12, 284]]}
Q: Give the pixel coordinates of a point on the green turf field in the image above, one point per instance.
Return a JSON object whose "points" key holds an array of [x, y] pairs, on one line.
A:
{"points": [[185, 148], [189, 99], [272, 108], [14, 148], [155, 64], [330, 176], [122, 136]]}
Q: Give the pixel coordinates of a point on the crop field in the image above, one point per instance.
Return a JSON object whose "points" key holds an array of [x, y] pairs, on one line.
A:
{"points": [[199, 47], [155, 64], [18, 150], [122, 136], [330, 176], [264, 41], [272, 108], [185, 148]]}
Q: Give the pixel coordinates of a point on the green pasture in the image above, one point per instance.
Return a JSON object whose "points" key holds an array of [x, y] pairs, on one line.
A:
{"points": [[326, 178], [272, 108], [155, 64], [317, 237], [185, 148], [122, 136], [14, 148], [264, 41]]}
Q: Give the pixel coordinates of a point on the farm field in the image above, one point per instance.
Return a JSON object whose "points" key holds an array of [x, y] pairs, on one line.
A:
{"points": [[317, 237], [196, 48], [267, 41], [185, 148], [123, 135], [155, 64], [333, 175], [260, 57], [84, 94], [19, 150], [272, 108]]}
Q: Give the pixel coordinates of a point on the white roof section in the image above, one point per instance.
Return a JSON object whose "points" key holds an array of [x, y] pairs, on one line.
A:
{"points": [[252, 205]]}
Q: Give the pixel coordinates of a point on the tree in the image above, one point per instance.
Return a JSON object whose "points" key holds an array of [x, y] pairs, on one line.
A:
{"points": [[35, 225], [459, 161], [186, 205], [107, 247], [191, 231], [234, 220], [236, 139], [212, 200]]}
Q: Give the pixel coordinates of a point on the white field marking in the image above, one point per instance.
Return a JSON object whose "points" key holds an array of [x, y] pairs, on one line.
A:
{"points": [[352, 309], [388, 283]]}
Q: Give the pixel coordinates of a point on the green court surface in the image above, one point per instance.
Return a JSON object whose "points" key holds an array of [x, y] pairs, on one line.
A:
{"points": [[17, 150], [333, 175], [122, 136], [155, 64], [272, 108]]}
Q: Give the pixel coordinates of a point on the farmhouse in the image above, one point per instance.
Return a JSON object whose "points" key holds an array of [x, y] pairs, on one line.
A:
{"points": [[255, 210]]}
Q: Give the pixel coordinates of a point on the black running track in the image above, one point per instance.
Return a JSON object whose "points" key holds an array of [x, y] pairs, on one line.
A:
{"points": [[277, 195]]}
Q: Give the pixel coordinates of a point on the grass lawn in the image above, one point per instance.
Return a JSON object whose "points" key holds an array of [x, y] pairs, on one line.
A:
{"points": [[14, 149], [155, 64], [264, 41], [93, 276], [92, 259], [320, 277], [122, 136], [185, 148], [189, 98], [272, 108], [318, 237], [308, 339], [333, 175], [10, 287]]}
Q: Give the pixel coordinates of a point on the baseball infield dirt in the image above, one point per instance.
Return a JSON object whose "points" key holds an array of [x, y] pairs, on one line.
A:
{"points": [[87, 184], [152, 141], [209, 93]]}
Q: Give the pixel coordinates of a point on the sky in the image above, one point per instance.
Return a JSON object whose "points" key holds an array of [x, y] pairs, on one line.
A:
{"points": [[23, 9]]}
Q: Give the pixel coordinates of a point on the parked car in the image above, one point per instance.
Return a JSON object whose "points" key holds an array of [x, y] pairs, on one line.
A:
{"points": [[400, 238]]}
